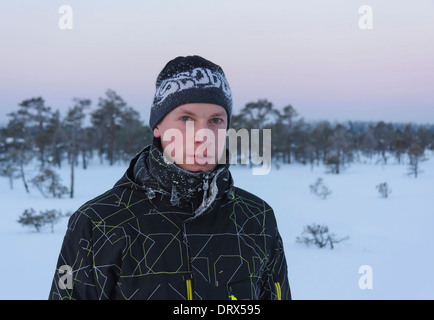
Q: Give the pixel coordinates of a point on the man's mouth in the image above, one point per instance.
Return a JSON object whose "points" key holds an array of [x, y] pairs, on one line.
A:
{"points": [[204, 155], [200, 158]]}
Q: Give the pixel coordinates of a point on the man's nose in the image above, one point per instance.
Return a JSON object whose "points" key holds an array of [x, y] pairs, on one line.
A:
{"points": [[203, 133]]}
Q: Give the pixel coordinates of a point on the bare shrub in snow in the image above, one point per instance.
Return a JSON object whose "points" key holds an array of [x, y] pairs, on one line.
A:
{"points": [[49, 184], [47, 217], [30, 218], [384, 189], [319, 189], [319, 235]]}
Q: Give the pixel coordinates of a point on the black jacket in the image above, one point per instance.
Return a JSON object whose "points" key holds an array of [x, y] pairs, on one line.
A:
{"points": [[165, 233]]}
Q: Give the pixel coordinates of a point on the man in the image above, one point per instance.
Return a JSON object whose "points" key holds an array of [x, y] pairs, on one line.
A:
{"points": [[175, 226]]}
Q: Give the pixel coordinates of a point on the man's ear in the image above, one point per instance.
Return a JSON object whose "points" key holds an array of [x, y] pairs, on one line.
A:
{"points": [[157, 133]]}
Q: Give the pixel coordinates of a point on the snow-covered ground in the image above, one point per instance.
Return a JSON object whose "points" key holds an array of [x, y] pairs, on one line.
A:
{"points": [[393, 236]]}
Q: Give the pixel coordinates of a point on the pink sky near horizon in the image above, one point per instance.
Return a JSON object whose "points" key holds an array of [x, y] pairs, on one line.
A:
{"points": [[309, 54]]}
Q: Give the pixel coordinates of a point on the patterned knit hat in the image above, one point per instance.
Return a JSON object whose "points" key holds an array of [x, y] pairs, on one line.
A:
{"points": [[190, 79]]}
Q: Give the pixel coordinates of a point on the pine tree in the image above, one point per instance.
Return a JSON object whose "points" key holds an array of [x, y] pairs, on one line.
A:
{"points": [[75, 135], [107, 121], [37, 115], [416, 154]]}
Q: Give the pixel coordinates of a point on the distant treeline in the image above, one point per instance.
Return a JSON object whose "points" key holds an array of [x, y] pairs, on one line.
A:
{"points": [[335, 145], [114, 132]]}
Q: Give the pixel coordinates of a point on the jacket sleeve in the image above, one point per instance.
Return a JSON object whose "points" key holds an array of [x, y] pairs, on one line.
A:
{"points": [[74, 276], [275, 278]]}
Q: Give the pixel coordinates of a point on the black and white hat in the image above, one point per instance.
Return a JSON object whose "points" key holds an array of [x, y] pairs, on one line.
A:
{"points": [[190, 79]]}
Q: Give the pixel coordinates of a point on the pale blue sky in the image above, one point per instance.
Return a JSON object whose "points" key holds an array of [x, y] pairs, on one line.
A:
{"points": [[311, 54]]}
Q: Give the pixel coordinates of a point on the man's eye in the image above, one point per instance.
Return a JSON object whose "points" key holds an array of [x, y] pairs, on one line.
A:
{"points": [[186, 118], [216, 120]]}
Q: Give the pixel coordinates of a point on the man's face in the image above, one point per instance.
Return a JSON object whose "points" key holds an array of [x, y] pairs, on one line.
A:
{"points": [[193, 135]]}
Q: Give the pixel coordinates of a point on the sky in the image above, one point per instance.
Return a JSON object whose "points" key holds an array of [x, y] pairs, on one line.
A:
{"points": [[313, 55]]}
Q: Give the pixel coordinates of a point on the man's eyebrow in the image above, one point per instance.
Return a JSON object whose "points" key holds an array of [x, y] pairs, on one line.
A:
{"points": [[186, 112], [218, 114]]}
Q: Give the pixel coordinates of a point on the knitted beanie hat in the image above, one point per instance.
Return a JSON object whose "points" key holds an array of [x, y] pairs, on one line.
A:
{"points": [[190, 79]]}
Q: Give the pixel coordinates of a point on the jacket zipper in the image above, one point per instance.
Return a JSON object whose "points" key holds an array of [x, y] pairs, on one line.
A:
{"points": [[189, 290], [278, 291], [205, 187]]}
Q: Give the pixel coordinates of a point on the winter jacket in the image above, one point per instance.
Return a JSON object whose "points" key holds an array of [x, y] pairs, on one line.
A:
{"points": [[165, 233]]}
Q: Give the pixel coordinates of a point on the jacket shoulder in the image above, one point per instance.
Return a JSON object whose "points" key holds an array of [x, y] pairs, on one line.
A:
{"points": [[254, 206], [251, 199], [113, 206]]}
